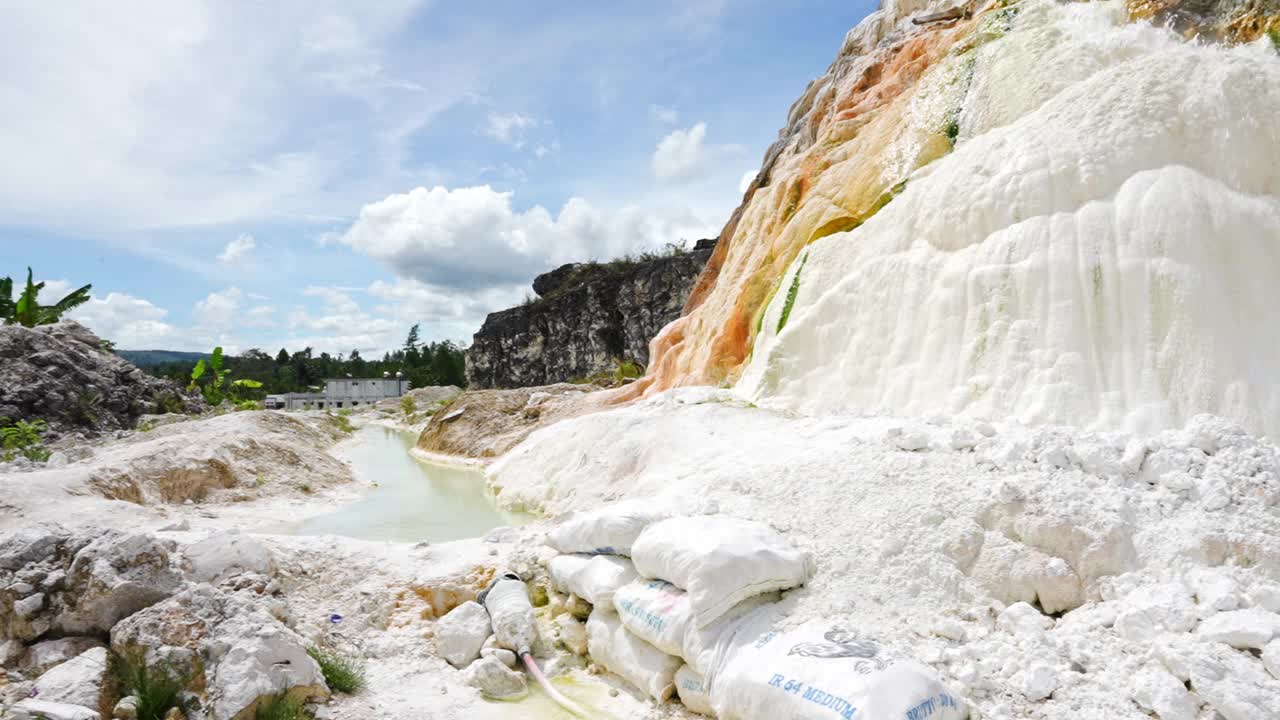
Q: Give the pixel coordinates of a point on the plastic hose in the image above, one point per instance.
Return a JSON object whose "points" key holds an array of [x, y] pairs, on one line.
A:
{"points": [[554, 694]]}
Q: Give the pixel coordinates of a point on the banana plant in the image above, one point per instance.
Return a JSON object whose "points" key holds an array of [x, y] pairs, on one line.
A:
{"points": [[28, 312], [219, 383]]}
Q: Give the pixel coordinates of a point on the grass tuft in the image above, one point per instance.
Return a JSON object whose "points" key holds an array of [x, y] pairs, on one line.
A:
{"points": [[342, 674], [791, 294], [156, 686], [280, 707]]}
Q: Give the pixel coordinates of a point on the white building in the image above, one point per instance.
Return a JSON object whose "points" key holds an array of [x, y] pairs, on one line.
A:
{"points": [[340, 393]]}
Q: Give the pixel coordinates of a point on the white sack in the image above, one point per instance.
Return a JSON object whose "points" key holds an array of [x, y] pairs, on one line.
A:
{"points": [[820, 672], [693, 691], [610, 530], [593, 578], [657, 612], [661, 614], [720, 561], [629, 657]]}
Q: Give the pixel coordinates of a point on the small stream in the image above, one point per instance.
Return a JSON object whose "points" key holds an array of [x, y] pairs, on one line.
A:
{"points": [[413, 500]]}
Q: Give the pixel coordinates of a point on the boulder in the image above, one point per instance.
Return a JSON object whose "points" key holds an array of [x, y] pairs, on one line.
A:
{"points": [[237, 652], [496, 680], [113, 577], [224, 555], [1233, 683], [48, 653], [77, 681], [1251, 628], [79, 583], [34, 709], [461, 634]]}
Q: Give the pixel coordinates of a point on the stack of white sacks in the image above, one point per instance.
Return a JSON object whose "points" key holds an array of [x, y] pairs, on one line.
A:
{"points": [[687, 605]]}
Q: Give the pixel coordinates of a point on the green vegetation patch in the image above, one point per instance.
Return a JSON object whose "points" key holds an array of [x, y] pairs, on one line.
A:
{"points": [[791, 294], [23, 439], [341, 673], [280, 707], [26, 311], [156, 685]]}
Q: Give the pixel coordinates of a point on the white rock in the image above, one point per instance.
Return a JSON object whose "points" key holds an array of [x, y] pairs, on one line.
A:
{"points": [[33, 709], [1266, 596], [126, 709], [962, 439], [77, 681], [1037, 682], [1250, 628], [911, 440], [505, 656], [1022, 619], [572, 633], [1215, 589], [461, 633], [243, 652], [496, 680], [1271, 658], [46, 654], [114, 577], [226, 554], [1153, 609], [1234, 684], [1154, 689], [28, 606]]}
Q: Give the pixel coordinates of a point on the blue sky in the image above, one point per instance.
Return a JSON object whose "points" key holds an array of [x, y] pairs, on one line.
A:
{"points": [[321, 173]]}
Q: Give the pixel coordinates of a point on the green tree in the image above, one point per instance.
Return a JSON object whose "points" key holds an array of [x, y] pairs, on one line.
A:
{"points": [[282, 357], [28, 312]]}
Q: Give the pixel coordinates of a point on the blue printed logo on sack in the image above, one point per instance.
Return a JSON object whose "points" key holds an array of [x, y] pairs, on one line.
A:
{"points": [[842, 644]]}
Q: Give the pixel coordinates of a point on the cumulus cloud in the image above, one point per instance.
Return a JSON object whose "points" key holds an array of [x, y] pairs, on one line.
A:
{"points": [[472, 237], [237, 249], [509, 128], [747, 178], [664, 114], [684, 155], [128, 321]]}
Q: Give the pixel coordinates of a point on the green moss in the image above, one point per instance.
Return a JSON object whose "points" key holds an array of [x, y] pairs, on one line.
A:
{"points": [[1274, 34], [791, 294]]}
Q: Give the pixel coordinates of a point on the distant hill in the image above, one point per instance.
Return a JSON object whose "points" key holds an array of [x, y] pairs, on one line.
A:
{"points": [[151, 358]]}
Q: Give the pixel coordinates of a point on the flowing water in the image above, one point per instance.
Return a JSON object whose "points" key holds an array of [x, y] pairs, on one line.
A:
{"points": [[413, 500]]}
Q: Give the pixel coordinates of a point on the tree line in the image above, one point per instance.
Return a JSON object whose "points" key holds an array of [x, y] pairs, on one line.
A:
{"points": [[422, 364]]}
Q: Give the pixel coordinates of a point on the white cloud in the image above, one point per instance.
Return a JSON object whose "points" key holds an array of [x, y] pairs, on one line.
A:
{"points": [[663, 114], [509, 129], [236, 250], [472, 237], [543, 150], [130, 322], [747, 178], [198, 112], [681, 155]]}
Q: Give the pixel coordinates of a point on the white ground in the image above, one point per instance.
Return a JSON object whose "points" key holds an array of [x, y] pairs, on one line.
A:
{"points": [[924, 547]]}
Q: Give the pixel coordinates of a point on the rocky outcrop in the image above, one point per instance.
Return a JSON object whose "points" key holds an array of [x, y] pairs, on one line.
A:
{"points": [[588, 318], [486, 423], [61, 374], [204, 610], [233, 648]]}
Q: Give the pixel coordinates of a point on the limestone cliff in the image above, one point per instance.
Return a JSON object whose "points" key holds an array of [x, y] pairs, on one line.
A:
{"points": [[588, 318], [1061, 212]]}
